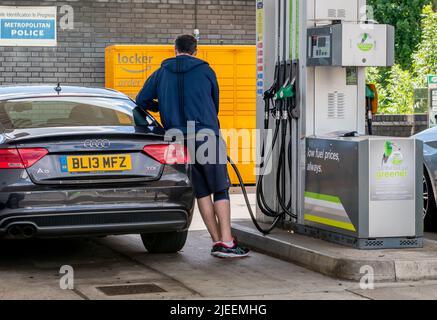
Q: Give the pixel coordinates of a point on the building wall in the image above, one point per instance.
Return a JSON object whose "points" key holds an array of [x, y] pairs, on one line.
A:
{"points": [[79, 57], [399, 125]]}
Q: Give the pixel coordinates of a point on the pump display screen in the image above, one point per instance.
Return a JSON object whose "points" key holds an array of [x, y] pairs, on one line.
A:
{"points": [[320, 46]]}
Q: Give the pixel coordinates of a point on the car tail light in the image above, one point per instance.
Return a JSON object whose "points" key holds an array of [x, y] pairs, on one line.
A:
{"points": [[20, 158], [10, 159], [30, 156], [168, 153]]}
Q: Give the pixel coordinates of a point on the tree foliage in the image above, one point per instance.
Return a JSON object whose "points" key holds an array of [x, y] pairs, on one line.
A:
{"points": [[396, 85], [425, 58], [400, 91], [405, 16]]}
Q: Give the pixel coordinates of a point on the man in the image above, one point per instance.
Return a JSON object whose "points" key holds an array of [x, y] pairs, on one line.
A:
{"points": [[187, 91]]}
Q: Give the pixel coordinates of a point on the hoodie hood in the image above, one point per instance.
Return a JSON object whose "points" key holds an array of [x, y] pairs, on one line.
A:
{"points": [[182, 64]]}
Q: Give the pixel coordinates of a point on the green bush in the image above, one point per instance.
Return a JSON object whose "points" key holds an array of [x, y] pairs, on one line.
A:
{"points": [[400, 91], [396, 85], [404, 15], [425, 58]]}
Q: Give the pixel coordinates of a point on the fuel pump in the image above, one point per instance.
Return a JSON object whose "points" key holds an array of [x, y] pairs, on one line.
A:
{"points": [[328, 179]]}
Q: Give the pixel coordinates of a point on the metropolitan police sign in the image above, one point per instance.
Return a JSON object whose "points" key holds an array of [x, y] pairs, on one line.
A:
{"points": [[27, 26]]}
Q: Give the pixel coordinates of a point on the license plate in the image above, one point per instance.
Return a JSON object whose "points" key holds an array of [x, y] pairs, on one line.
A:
{"points": [[114, 162]]}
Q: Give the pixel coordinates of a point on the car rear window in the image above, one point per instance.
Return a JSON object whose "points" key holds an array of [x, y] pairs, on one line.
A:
{"points": [[71, 112]]}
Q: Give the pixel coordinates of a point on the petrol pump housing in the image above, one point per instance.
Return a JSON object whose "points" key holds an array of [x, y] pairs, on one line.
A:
{"points": [[343, 185]]}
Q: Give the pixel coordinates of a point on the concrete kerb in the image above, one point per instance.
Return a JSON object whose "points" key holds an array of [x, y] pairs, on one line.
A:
{"points": [[320, 256]]}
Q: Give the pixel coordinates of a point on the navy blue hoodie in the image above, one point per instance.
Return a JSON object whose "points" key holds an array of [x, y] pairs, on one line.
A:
{"points": [[200, 99]]}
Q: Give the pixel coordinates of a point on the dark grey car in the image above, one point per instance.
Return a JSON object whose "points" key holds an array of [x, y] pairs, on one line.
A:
{"points": [[429, 138], [83, 162]]}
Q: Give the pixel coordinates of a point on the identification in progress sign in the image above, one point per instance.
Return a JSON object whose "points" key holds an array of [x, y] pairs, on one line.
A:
{"points": [[28, 26]]}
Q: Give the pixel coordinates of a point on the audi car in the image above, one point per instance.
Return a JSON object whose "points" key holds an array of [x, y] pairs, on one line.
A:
{"points": [[89, 162]]}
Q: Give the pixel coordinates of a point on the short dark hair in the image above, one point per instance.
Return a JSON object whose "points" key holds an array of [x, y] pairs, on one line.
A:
{"points": [[186, 44]]}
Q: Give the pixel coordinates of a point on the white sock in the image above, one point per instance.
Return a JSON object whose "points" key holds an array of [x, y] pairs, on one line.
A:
{"points": [[229, 244]]}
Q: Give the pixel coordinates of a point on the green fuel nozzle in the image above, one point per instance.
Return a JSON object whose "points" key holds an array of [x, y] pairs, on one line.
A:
{"points": [[285, 93]]}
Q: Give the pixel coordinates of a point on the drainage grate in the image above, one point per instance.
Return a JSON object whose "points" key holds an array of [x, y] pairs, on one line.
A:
{"points": [[121, 290]]}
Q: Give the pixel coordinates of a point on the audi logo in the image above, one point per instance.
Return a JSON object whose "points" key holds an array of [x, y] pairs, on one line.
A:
{"points": [[97, 143]]}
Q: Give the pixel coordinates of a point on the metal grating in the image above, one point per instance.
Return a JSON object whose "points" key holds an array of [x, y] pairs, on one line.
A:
{"points": [[336, 105], [408, 243], [402, 243], [341, 13], [374, 243], [122, 290], [365, 244], [332, 13], [336, 14]]}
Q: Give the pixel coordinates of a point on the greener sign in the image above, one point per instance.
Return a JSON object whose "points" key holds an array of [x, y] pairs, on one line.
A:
{"points": [[27, 26], [391, 169]]}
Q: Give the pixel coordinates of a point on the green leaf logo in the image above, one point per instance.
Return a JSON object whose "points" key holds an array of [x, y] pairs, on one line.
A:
{"points": [[392, 152], [388, 149], [366, 43]]}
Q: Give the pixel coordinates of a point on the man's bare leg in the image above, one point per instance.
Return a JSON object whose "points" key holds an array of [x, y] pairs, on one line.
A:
{"points": [[223, 212], [206, 208], [218, 226]]}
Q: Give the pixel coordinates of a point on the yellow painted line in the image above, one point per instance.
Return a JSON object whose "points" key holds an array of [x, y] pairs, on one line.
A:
{"points": [[330, 222]]}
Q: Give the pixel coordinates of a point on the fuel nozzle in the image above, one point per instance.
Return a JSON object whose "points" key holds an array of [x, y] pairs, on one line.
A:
{"points": [[285, 92], [268, 97], [284, 97], [269, 94]]}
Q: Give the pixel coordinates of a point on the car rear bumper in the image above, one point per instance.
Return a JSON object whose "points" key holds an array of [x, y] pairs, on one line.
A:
{"points": [[99, 222], [58, 212]]}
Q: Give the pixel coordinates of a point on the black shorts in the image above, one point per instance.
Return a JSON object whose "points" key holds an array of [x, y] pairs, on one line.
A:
{"points": [[209, 174]]}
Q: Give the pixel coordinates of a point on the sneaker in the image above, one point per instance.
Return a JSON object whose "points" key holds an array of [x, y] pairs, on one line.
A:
{"points": [[221, 250]]}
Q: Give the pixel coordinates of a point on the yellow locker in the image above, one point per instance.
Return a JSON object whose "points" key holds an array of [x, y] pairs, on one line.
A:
{"points": [[127, 67]]}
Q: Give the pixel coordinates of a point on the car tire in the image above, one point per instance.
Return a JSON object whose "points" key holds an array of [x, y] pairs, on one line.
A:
{"points": [[166, 242], [429, 205]]}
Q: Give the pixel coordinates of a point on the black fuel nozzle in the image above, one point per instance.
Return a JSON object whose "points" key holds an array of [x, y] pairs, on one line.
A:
{"points": [[269, 94], [268, 97], [293, 108], [292, 100], [295, 113]]}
